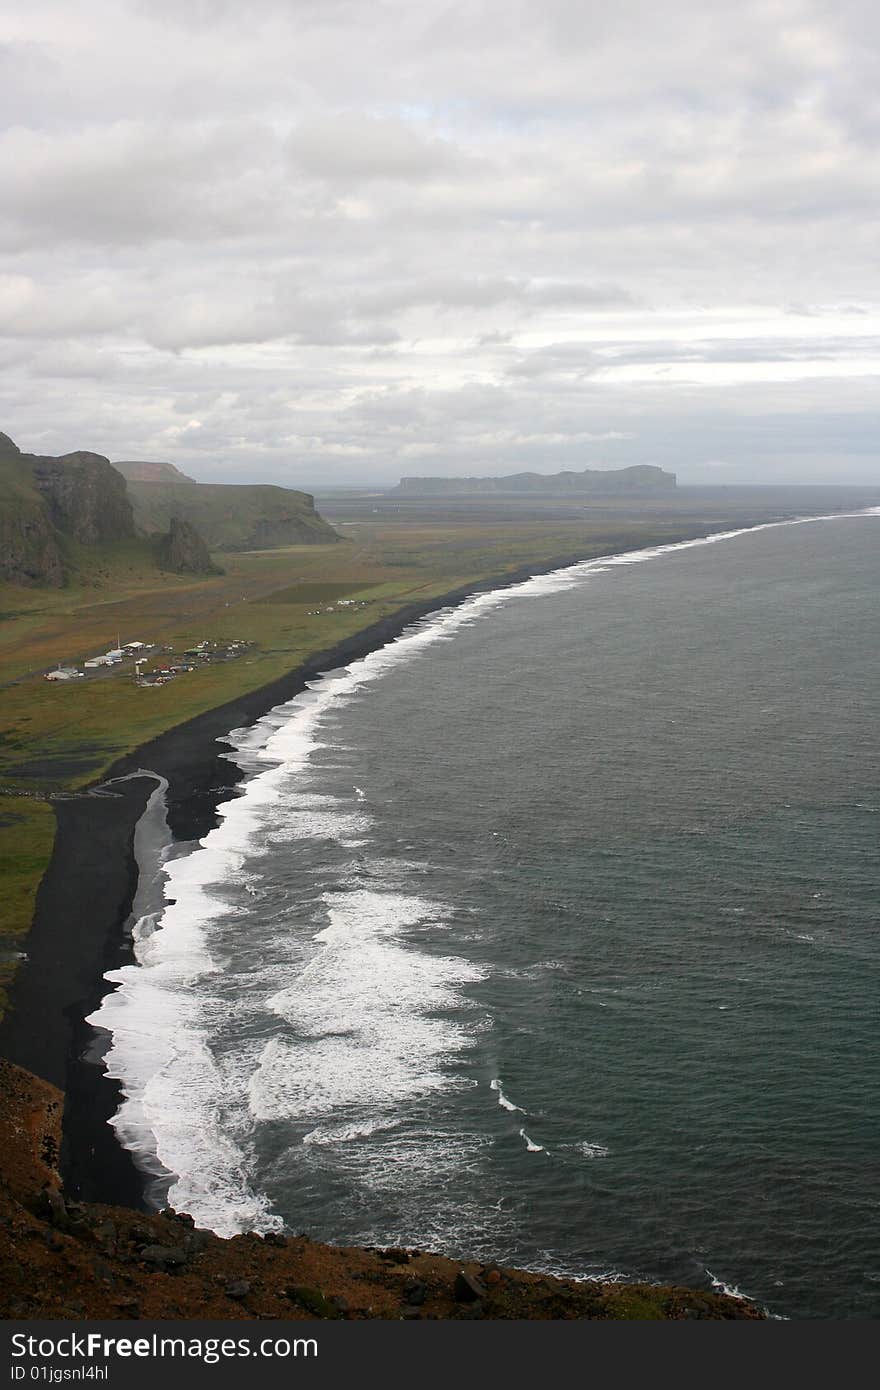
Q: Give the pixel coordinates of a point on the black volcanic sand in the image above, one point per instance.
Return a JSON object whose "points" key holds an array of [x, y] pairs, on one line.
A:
{"points": [[85, 898], [77, 934]]}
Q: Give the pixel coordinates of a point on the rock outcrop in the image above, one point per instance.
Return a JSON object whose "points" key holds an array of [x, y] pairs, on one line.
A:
{"points": [[183, 550]]}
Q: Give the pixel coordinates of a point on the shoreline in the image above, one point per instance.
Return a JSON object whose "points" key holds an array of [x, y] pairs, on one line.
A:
{"points": [[92, 880]]}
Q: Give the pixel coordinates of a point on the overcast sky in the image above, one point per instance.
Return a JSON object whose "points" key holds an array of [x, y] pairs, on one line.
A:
{"points": [[337, 241]]}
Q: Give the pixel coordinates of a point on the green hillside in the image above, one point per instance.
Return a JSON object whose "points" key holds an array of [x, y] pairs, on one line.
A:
{"points": [[231, 516]]}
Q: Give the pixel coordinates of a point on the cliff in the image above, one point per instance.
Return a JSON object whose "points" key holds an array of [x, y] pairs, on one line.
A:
{"points": [[232, 516], [641, 478], [64, 1259], [51, 506], [86, 497], [65, 516]]}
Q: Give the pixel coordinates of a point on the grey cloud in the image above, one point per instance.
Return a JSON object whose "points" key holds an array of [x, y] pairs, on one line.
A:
{"points": [[353, 147], [480, 292], [88, 306], [577, 358], [74, 360], [222, 318], [133, 182], [315, 236]]}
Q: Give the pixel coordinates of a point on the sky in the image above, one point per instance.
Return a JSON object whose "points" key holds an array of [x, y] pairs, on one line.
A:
{"points": [[337, 242]]}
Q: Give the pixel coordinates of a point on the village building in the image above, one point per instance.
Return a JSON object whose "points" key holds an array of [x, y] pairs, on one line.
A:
{"points": [[63, 673]]}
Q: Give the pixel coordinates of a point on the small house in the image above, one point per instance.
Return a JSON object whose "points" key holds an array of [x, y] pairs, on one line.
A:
{"points": [[62, 673]]}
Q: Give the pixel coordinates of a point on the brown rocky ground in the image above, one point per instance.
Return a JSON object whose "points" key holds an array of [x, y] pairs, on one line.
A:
{"points": [[63, 1259]]}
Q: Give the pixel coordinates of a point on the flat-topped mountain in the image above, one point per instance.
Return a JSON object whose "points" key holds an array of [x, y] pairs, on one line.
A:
{"points": [[598, 482], [140, 471]]}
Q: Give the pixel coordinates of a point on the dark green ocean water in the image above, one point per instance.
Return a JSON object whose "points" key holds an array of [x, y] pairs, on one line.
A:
{"points": [[553, 937]]}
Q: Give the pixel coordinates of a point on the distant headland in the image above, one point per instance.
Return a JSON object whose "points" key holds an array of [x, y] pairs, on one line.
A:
{"points": [[597, 482]]}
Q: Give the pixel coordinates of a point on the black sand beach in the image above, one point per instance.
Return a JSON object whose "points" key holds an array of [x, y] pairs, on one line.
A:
{"points": [[85, 898]]}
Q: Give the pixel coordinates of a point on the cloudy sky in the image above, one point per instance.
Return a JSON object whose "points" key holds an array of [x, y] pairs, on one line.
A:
{"points": [[336, 241]]}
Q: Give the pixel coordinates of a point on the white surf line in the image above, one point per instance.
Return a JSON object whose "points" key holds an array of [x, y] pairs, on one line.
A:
{"points": [[495, 1085], [263, 742], [158, 1051], [152, 840], [732, 1291], [531, 1146]]}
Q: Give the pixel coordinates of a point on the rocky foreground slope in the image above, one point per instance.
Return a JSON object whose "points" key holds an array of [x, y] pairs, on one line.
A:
{"points": [[62, 1259]]}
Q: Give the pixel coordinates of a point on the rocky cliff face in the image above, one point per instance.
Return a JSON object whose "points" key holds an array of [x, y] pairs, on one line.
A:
{"points": [[47, 503], [183, 551], [30, 550], [86, 497], [232, 516]]}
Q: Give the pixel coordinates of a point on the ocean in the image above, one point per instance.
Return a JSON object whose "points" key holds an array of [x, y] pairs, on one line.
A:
{"points": [[547, 934]]}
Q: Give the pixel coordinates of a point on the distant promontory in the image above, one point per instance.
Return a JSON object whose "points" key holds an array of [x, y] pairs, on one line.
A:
{"points": [[598, 482]]}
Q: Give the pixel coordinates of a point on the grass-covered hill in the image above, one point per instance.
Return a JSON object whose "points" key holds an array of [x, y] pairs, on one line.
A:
{"points": [[231, 516]]}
